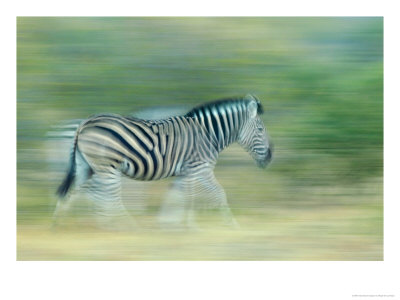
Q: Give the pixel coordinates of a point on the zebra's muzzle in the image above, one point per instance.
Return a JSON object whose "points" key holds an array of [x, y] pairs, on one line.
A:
{"points": [[262, 163]]}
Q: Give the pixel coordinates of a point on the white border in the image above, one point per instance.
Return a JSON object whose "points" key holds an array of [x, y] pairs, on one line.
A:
{"points": [[199, 280], [200, 8]]}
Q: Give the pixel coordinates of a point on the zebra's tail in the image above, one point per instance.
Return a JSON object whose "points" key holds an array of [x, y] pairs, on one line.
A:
{"points": [[69, 179]]}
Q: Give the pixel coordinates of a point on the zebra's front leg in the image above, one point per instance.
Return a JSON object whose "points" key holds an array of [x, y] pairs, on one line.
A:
{"points": [[173, 207], [190, 203], [177, 210], [217, 197], [110, 212]]}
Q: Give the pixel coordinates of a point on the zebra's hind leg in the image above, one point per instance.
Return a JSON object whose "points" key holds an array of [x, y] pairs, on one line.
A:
{"points": [[110, 212]]}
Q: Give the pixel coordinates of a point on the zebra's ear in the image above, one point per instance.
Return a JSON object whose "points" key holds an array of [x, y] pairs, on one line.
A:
{"points": [[252, 107], [250, 97]]}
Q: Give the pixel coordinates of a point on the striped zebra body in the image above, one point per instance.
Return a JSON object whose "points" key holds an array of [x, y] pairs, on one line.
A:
{"points": [[142, 149], [185, 147]]}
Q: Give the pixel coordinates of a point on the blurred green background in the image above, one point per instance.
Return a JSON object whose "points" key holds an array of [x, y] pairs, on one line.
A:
{"points": [[321, 84]]}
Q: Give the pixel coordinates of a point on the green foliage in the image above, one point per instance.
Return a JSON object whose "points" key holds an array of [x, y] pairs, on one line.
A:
{"points": [[320, 79]]}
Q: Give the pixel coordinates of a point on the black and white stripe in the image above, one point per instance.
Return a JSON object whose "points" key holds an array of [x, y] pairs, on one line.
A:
{"points": [[186, 147]]}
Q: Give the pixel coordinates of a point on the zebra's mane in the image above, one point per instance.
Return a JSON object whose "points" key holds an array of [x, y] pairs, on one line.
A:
{"points": [[224, 102]]}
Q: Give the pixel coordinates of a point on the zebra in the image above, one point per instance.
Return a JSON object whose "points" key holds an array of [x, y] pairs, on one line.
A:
{"points": [[186, 147]]}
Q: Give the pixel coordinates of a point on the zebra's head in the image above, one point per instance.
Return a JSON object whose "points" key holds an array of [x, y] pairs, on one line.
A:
{"points": [[253, 136]]}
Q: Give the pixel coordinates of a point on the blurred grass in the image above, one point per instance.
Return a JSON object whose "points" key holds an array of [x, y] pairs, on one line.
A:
{"points": [[320, 81], [331, 224]]}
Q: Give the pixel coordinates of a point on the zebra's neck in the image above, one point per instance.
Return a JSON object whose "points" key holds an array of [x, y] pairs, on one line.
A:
{"points": [[222, 120]]}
